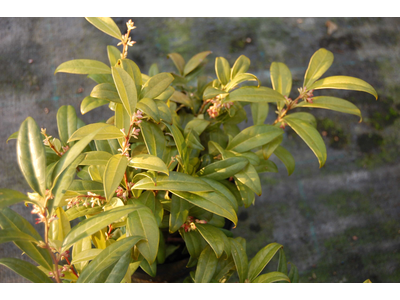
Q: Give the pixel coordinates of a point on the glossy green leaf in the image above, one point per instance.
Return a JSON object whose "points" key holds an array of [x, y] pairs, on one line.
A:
{"points": [[240, 258], [240, 78], [319, 64], [206, 266], [113, 174], [261, 259], [90, 103], [126, 89], [31, 155], [83, 66], [107, 257], [60, 227], [156, 85], [133, 71], [192, 141], [249, 177], [281, 78], [25, 269], [150, 269], [304, 116], [270, 147], [254, 94], [13, 136], [211, 92], [198, 125], [293, 274], [222, 69], [113, 55], [101, 78], [210, 201], [164, 111], [182, 98], [282, 263], [241, 65], [194, 242], [110, 146], [259, 112], [154, 138], [78, 248], [178, 61], [153, 70], [180, 144], [333, 103], [66, 122], [81, 187], [142, 222], [104, 132], [86, 255], [266, 166], [246, 194], [213, 236], [80, 211], [148, 162], [223, 169], [107, 25], [96, 158], [12, 220], [106, 91], [344, 83], [310, 136], [118, 272], [11, 235], [224, 191], [150, 108], [179, 213], [9, 197], [271, 277], [148, 199], [166, 95], [254, 136], [286, 157], [94, 224], [195, 61], [225, 269]]}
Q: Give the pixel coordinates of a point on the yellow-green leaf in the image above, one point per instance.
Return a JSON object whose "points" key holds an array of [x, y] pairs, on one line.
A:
{"points": [[83, 66], [222, 69], [107, 25], [271, 277], [281, 78], [90, 103], [126, 89], [319, 63], [178, 61], [194, 62], [113, 174], [261, 259], [241, 65], [113, 55], [254, 94], [148, 162], [156, 85], [105, 132]]}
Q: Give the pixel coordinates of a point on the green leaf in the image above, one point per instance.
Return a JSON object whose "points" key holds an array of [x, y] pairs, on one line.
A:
{"points": [[83, 66], [113, 55], [175, 181], [148, 199], [133, 71], [246, 194], [153, 70], [11, 235], [249, 177], [150, 108], [213, 236], [148, 162], [178, 61], [107, 25], [101, 78], [282, 263], [198, 125], [367, 281], [261, 259], [224, 191], [149, 269], [194, 242], [254, 94], [106, 91], [12, 220], [192, 140], [107, 257], [60, 227], [78, 248], [90, 103], [241, 65], [319, 64], [142, 222], [195, 61], [286, 157], [254, 136], [81, 187], [304, 116], [241, 78], [113, 174], [126, 89], [166, 95], [95, 224], [206, 266], [104, 132], [332, 103], [96, 158], [222, 69], [211, 92], [85, 255], [182, 98], [240, 258], [271, 277], [210, 201], [118, 272], [156, 85], [223, 169], [281, 78], [179, 213], [14, 136], [293, 274], [180, 144], [259, 112], [80, 211], [31, 156], [164, 111], [269, 148], [9, 197], [25, 269], [154, 138], [310, 136], [66, 122], [344, 83]]}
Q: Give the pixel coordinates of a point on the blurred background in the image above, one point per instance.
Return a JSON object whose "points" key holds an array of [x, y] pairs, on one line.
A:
{"points": [[340, 223]]}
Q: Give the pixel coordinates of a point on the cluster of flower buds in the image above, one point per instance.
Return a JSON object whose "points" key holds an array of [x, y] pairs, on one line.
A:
{"points": [[91, 199], [215, 109], [190, 223], [306, 95], [121, 193], [64, 255], [64, 149], [65, 268], [126, 40], [137, 117], [125, 146]]}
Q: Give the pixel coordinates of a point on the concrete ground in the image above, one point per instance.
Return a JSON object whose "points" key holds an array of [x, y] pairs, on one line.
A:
{"points": [[339, 223]]}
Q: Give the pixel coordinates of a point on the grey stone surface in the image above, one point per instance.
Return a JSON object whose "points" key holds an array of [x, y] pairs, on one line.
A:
{"points": [[339, 223]]}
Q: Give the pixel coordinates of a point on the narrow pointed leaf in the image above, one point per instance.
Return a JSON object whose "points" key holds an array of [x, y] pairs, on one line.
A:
{"points": [[105, 24], [261, 259], [240, 258], [269, 148], [83, 66], [304, 116], [31, 155], [249, 177], [206, 266], [246, 194], [119, 270], [194, 62], [85, 255], [282, 263], [113, 55], [182, 98], [96, 158], [106, 91], [156, 85], [105, 132], [254, 94], [154, 138], [14, 136], [164, 111], [198, 125], [241, 65], [66, 122], [11, 235], [25, 269], [240, 78], [126, 89], [148, 162], [281, 78], [180, 144], [223, 169], [259, 112], [179, 213], [286, 157], [90, 103], [9, 197], [133, 71], [271, 277], [319, 64], [293, 274], [150, 108], [113, 174], [211, 92], [223, 191], [213, 236], [222, 69], [107, 257], [178, 61]]}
